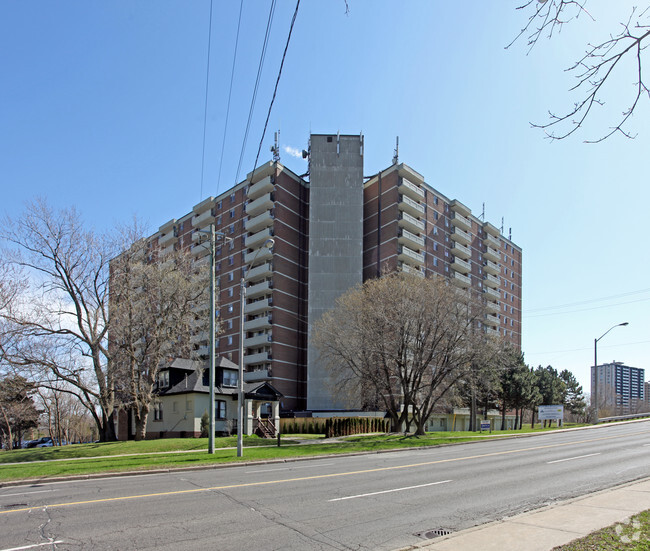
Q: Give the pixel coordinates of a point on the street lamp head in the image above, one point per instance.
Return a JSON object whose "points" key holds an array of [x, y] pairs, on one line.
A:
{"points": [[269, 243], [624, 323]]}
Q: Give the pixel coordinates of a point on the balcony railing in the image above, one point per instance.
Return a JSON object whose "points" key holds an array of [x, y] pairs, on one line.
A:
{"points": [[461, 280], [259, 222], [258, 255], [259, 271], [491, 267], [491, 280], [459, 208], [491, 241], [491, 254], [258, 238], [408, 238], [262, 288], [265, 185], [265, 202], [256, 376], [492, 307], [260, 357], [492, 319], [492, 292], [411, 270], [258, 306], [204, 219], [258, 340], [167, 239], [200, 249], [410, 256], [406, 187], [461, 221], [461, 265], [460, 250], [461, 236], [411, 222], [412, 207], [256, 324]]}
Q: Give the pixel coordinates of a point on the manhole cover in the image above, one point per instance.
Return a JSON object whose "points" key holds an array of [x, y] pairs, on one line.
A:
{"points": [[430, 534]]}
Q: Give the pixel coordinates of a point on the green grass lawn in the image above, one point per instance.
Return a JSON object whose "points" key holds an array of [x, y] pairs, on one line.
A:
{"points": [[633, 536], [81, 459]]}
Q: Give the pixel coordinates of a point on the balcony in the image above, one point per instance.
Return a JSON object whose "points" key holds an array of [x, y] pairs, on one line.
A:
{"points": [[259, 222], [407, 238], [490, 229], [167, 239], [461, 236], [411, 223], [257, 376], [461, 280], [410, 206], [258, 306], [202, 351], [265, 185], [411, 270], [410, 256], [201, 262], [492, 293], [204, 219], [258, 255], [200, 249], [264, 270], [491, 267], [491, 241], [460, 265], [260, 358], [461, 222], [168, 227], [492, 320], [256, 324], [492, 307], [265, 202], [412, 190], [459, 208], [460, 250], [492, 254], [491, 331], [259, 289], [258, 340], [257, 239], [491, 280]]}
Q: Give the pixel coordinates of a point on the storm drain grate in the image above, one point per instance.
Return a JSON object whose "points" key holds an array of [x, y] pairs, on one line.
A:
{"points": [[430, 534]]}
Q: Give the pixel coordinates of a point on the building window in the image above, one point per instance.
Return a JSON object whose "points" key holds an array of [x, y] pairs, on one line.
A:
{"points": [[435, 246], [229, 324], [229, 377], [435, 215], [230, 309], [229, 339], [188, 405], [158, 411], [435, 261], [231, 261], [232, 213], [218, 222], [220, 409], [435, 199], [232, 228], [231, 245], [163, 379], [232, 197], [219, 205], [231, 276], [230, 292]]}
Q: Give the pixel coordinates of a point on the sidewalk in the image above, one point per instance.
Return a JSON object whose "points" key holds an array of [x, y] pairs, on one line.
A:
{"points": [[550, 526]]}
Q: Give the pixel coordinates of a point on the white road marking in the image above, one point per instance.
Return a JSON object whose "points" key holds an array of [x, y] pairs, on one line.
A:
{"points": [[389, 491], [25, 493], [572, 458], [32, 546]]}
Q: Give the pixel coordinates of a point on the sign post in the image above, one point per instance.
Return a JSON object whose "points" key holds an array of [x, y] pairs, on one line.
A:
{"points": [[549, 413], [486, 425]]}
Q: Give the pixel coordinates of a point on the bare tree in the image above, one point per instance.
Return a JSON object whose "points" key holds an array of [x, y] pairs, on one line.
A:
{"points": [[407, 339], [597, 68], [152, 304], [17, 409], [63, 314]]}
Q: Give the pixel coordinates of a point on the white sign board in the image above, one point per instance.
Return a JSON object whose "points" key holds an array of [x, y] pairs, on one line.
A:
{"points": [[546, 413], [485, 424]]}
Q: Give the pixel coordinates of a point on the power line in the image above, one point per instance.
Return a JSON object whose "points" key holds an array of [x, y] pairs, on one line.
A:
{"points": [[205, 107], [257, 82], [588, 301], [232, 77], [587, 309], [277, 82]]}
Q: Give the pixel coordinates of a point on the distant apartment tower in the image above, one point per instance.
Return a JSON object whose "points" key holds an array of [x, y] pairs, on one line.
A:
{"points": [[621, 388], [331, 231]]}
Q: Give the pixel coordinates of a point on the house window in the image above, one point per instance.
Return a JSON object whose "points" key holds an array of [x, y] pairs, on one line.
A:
{"points": [[231, 261], [435, 216], [219, 205], [232, 197], [158, 411], [174, 407], [163, 379], [232, 213], [230, 339], [230, 308], [229, 377], [219, 220], [230, 291], [188, 405], [220, 409], [231, 276], [229, 324], [232, 228]]}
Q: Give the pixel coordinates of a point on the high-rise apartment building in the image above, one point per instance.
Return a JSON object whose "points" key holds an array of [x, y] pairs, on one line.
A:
{"points": [[621, 388], [332, 231]]}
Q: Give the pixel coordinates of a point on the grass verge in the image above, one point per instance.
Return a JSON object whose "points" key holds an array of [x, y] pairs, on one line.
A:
{"points": [[83, 459], [633, 536]]}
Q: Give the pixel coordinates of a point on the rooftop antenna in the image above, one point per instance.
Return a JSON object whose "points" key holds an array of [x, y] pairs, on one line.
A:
{"points": [[501, 230], [396, 152], [482, 217], [275, 149], [510, 234]]}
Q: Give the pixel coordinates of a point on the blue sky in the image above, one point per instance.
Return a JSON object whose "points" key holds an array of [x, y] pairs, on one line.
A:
{"points": [[102, 107]]}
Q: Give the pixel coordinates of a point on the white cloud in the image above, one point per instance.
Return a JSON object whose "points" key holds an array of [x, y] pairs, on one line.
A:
{"points": [[293, 151]]}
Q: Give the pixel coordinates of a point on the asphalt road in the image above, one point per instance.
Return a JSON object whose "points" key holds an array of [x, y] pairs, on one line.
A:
{"points": [[376, 502]]}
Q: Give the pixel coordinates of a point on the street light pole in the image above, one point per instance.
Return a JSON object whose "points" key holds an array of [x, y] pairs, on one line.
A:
{"points": [[595, 388], [240, 383]]}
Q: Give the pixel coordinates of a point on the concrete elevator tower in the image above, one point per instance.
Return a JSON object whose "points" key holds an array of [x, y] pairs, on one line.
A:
{"points": [[335, 241]]}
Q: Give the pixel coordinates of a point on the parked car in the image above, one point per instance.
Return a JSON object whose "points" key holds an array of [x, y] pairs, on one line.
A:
{"points": [[44, 442]]}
